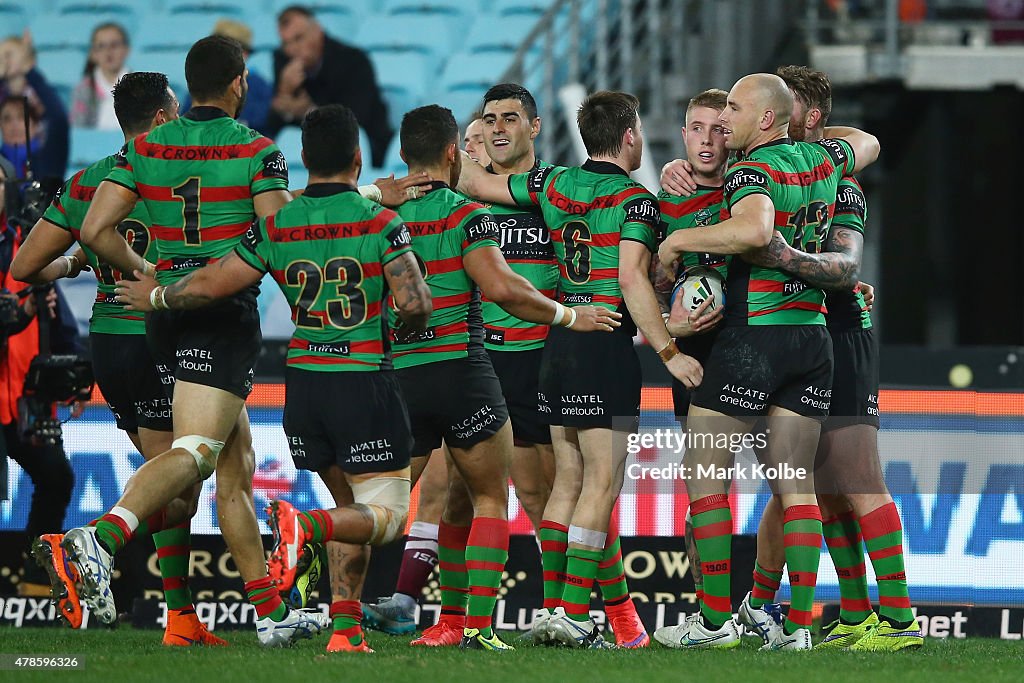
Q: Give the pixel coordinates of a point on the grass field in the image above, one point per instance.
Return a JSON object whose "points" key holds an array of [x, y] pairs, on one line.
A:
{"points": [[129, 655]]}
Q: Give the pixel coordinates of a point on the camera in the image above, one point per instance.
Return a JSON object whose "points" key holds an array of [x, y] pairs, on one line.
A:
{"points": [[8, 313], [50, 380]]}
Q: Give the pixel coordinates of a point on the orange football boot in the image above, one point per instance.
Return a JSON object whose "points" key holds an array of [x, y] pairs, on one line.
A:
{"points": [[63, 578], [184, 630]]}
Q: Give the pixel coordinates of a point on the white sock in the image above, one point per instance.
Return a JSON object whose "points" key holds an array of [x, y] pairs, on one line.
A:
{"points": [[423, 530], [127, 516]]}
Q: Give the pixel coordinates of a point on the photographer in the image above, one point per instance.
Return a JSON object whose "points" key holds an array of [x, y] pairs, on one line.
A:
{"points": [[45, 463]]}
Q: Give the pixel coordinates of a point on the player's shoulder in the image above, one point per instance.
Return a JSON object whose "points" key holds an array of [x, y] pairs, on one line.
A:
{"points": [[836, 150], [98, 170], [851, 182], [751, 172]]}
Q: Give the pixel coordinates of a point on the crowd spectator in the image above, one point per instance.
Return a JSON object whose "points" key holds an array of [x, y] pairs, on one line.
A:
{"points": [[311, 68], [257, 100], [21, 81], [92, 105]]}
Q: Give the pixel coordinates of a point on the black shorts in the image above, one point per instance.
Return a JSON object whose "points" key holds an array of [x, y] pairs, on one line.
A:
{"points": [[591, 379], [855, 380], [698, 347], [216, 346], [519, 373], [130, 382], [458, 401], [751, 368], [356, 420]]}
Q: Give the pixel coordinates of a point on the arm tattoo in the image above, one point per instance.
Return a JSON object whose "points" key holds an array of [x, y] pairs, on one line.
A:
{"points": [[177, 295], [836, 268], [772, 256], [406, 285]]}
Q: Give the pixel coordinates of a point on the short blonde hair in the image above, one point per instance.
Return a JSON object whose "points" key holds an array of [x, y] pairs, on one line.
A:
{"points": [[235, 30]]}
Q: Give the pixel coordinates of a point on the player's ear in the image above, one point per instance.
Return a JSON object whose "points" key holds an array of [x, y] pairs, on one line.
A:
{"points": [[452, 152], [813, 119], [768, 119], [401, 153], [357, 159], [535, 127]]}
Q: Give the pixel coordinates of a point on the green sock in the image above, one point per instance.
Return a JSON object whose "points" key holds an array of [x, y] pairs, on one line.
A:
{"points": [[486, 555], [554, 539], [580, 572], [801, 530], [766, 584], [173, 547], [842, 536], [317, 524], [611, 574], [712, 531], [883, 535], [451, 567]]}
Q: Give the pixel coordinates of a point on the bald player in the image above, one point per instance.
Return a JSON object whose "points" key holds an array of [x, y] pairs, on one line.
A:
{"points": [[473, 143], [773, 356]]}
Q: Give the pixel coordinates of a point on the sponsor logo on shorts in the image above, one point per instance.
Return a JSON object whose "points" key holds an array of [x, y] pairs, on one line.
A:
{"points": [[873, 405], [816, 397], [154, 409], [196, 360], [743, 397], [578, 298], [375, 450], [296, 448], [475, 423], [582, 404], [166, 376], [542, 403]]}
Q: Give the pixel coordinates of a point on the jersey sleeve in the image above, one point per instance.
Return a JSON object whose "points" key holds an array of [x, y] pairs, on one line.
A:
{"points": [[743, 180], [55, 212], [254, 247], [851, 207], [395, 239], [269, 170], [643, 220], [476, 228], [841, 154], [528, 188], [123, 172]]}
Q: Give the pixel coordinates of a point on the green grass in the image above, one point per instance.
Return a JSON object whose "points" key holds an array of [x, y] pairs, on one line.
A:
{"points": [[128, 655]]}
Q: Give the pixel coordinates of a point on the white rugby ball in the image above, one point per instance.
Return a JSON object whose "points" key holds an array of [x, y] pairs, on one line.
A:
{"points": [[696, 285]]}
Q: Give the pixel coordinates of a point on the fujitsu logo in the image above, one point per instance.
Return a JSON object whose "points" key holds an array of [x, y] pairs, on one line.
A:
{"points": [[512, 235]]}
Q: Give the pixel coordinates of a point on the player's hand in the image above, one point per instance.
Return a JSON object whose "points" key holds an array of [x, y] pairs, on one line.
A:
{"points": [[686, 369], [397, 192], [669, 252], [134, 294], [595, 319], [868, 292], [677, 178], [684, 323]]}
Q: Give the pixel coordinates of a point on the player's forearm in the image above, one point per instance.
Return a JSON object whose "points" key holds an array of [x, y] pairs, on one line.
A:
{"points": [[188, 292], [477, 183], [412, 295], [865, 145], [733, 236], [111, 248], [518, 297], [642, 305]]}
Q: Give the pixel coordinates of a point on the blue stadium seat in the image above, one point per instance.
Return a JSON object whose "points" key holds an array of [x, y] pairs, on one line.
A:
{"points": [[404, 80], [264, 35], [173, 32], [289, 141], [531, 7], [425, 35], [340, 25], [393, 160], [14, 17], [504, 34], [89, 145], [463, 103], [298, 177], [120, 7], [479, 71], [360, 8], [62, 31], [62, 68], [171, 64], [228, 8], [447, 8], [262, 62]]}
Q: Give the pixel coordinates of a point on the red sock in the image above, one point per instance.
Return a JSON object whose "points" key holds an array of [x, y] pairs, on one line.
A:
{"points": [[264, 597], [346, 616], [418, 559]]}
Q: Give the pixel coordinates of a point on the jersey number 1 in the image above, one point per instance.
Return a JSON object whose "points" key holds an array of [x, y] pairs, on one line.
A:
{"points": [[188, 193]]}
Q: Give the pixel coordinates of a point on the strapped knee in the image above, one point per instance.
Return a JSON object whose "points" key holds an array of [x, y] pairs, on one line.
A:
{"points": [[387, 499], [203, 450]]}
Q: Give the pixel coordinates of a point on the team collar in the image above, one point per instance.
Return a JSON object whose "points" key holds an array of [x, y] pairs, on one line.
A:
{"points": [[605, 167]]}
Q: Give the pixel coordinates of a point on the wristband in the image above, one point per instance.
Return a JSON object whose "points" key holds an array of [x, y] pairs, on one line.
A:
{"points": [[669, 351], [559, 314], [572, 317], [70, 262], [156, 299], [371, 192]]}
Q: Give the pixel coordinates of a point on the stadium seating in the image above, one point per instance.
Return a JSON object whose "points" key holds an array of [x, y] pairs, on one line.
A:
{"points": [[532, 7], [426, 35], [404, 79], [171, 32], [262, 62], [119, 7], [62, 68], [14, 17], [450, 9], [463, 103], [360, 8], [170, 63], [498, 34], [218, 8], [289, 141], [473, 72], [62, 31], [89, 145]]}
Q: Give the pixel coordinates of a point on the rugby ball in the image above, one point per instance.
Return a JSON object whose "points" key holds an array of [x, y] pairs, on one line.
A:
{"points": [[695, 285]]}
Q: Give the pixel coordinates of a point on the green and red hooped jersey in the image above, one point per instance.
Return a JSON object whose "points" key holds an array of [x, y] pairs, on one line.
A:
{"points": [[701, 209], [444, 226], [197, 176], [801, 179], [847, 310], [526, 244], [327, 251], [67, 211], [589, 210]]}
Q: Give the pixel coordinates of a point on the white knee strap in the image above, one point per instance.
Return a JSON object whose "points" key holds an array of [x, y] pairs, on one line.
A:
{"points": [[387, 499], [205, 452], [588, 537]]}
